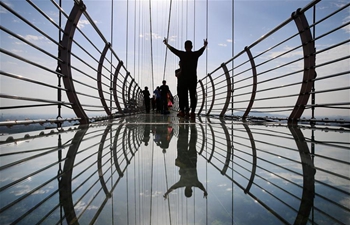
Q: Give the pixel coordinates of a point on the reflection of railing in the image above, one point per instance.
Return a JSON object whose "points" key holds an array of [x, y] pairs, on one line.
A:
{"points": [[77, 179], [285, 175], [260, 160], [294, 76]]}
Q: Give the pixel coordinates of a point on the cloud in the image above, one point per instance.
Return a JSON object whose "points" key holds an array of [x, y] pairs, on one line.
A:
{"points": [[224, 44], [29, 37], [83, 23], [294, 53], [17, 51], [2, 10], [347, 27], [154, 36], [172, 38]]}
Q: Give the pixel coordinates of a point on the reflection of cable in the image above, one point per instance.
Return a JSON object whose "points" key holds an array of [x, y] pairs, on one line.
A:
{"points": [[150, 210], [134, 191], [166, 184]]}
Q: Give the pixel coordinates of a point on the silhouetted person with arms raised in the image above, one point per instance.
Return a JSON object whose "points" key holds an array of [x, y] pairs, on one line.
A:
{"points": [[187, 161], [189, 61], [146, 97]]}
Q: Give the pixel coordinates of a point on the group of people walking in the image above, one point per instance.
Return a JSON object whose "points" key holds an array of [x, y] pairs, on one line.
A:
{"points": [[186, 82], [161, 101]]}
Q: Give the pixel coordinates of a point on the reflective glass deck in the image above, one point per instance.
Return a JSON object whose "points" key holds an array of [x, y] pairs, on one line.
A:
{"points": [[135, 170]]}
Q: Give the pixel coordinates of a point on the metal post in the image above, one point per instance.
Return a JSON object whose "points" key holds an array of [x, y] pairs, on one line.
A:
{"points": [[255, 82], [229, 90], [65, 63], [309, 65], [99, 78]]}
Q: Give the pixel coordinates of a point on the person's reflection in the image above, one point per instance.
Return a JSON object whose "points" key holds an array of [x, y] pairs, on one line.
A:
{"points": [[146, 132], [187, 161], [163, 135]]}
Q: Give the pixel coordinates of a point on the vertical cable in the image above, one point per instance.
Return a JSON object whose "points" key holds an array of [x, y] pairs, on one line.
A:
{"points": [[111, 71], [135, 41], [204, 95], [127, 32], [233, 52], [313, 83], [187, 20], [167, 37], [232, 105], [206, 57], [150, 23], [194, 24], [139, 48], [313, 108], [59, 110], [58, 69]]}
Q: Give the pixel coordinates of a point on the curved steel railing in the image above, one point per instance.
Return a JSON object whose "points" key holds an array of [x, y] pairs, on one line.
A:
{"points": [[296, 79], [92, 83], [284, 80]]}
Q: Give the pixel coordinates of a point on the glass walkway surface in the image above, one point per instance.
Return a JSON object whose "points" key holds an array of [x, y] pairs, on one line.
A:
{"points": [[160, 169]]}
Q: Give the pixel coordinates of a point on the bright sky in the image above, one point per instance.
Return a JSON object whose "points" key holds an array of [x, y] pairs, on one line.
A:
{"points": [[228, 26]]}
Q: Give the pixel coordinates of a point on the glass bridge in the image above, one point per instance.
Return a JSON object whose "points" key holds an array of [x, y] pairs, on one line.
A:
{"points": [[270, 144], [161, 169]]}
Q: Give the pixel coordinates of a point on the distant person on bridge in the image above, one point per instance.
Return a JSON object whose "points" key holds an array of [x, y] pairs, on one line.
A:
{"points": [[189, 61], [165, 92], [146, 97], [158, 99]]}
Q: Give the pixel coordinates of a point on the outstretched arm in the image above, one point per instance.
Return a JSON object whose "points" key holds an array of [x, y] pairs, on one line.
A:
{"points": [[201, 50], [175, 186], [171, 48], [166, 194], [205, 42], [165, 41], [203, 189]]}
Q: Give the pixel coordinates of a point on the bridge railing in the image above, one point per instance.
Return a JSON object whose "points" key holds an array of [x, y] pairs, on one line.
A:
{"points": [[79, 77], [64, 68], [293, 73]]}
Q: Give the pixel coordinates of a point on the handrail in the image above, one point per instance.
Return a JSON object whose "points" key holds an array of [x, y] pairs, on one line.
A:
{"points": [[75, 61], [281, 82], [278, 87]]}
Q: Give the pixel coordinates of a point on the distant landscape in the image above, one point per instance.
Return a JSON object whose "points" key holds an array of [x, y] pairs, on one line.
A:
{"points": [[31, 127], [4, 130]]}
